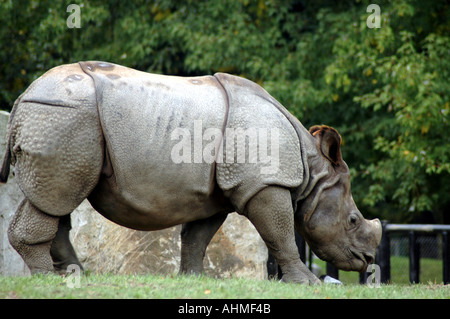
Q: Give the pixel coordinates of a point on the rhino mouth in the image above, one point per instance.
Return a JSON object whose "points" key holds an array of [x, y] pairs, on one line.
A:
{"points": [[365, 258]]}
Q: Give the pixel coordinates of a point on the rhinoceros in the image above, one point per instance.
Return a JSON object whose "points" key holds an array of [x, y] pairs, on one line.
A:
{"points": [[152, 151]]}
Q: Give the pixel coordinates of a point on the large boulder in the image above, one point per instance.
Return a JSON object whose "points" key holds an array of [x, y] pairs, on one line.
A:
{"points": [[11, 264], [102, 246]]}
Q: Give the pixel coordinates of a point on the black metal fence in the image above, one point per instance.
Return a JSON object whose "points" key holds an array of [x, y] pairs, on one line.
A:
{"points": [[401, 250], [416, 234]]}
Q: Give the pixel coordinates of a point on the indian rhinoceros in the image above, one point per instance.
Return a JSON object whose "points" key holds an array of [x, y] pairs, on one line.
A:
{"points": [[133, 144]]}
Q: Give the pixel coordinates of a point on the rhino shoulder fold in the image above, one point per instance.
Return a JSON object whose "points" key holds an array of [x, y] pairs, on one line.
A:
{"points": [[277, 157], [233, 83]]}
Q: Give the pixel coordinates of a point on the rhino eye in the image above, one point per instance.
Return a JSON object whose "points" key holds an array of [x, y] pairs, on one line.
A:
{"points": [[353, 219]]}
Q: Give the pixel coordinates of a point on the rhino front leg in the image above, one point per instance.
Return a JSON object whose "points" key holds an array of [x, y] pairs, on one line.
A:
{"points": [[195, 237], [272, 214], [62, 251], [31, 233]]}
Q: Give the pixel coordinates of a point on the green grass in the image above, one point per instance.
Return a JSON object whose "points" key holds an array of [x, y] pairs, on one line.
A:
{"points": [[110, 286], [430, 271]]}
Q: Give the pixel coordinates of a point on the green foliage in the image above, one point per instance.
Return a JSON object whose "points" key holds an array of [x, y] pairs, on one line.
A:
{"points": [[385, 89]]}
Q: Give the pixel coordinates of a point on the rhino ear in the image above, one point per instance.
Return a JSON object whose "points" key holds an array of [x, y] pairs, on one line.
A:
{"points": [[329, 141]]}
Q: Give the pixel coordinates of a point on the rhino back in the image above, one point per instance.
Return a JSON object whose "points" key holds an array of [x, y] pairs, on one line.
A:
{"points": [[252, 109], [139, 112]]}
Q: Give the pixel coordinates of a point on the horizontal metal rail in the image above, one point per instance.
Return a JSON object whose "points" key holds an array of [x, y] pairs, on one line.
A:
{"points": [[383, 254], [416, 228]]}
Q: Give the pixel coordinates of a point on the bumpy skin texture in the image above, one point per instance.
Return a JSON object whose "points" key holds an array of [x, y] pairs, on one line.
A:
{"points": [[56, 141], [252, 107], [31, 233], [106, 132], [272, 214]]}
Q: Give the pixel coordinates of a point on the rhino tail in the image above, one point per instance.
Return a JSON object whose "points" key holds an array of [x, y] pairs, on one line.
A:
{"points": [[4, 172]]}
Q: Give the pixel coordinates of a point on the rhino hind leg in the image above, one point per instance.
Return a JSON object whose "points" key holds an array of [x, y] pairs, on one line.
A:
{"points": [[58, 155], [31, 233], [62, 252], [271, 212], [195, 237]]}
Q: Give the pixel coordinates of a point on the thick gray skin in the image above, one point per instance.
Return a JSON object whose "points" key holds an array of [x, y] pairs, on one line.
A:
{"points": [[105, 132]]}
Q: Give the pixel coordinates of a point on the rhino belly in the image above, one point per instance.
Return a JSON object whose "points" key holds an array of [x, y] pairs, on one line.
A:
{"points": [[109, 202], [145, 117]]}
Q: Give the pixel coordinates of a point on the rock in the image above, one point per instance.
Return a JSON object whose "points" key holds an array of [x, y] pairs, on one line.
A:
{"points": [[102, 246], [11, 264], [236, 250]]}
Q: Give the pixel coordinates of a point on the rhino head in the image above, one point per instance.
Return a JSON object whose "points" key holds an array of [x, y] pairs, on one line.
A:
{"points": [[326, 215]]}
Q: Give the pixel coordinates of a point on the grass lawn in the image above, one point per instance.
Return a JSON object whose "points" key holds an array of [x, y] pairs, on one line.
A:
{"points": [[108, 286]]}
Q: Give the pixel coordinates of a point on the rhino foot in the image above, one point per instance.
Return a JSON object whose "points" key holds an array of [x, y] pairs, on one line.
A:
{"points": [[301, 279], [299, 273], [31, 233]]}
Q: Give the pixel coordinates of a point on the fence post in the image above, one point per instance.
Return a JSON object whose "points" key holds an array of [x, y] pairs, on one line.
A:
{"points": [[445, 258], [414, 258], [363, 277], [332, 271], [301, 244], [383, 256]]}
